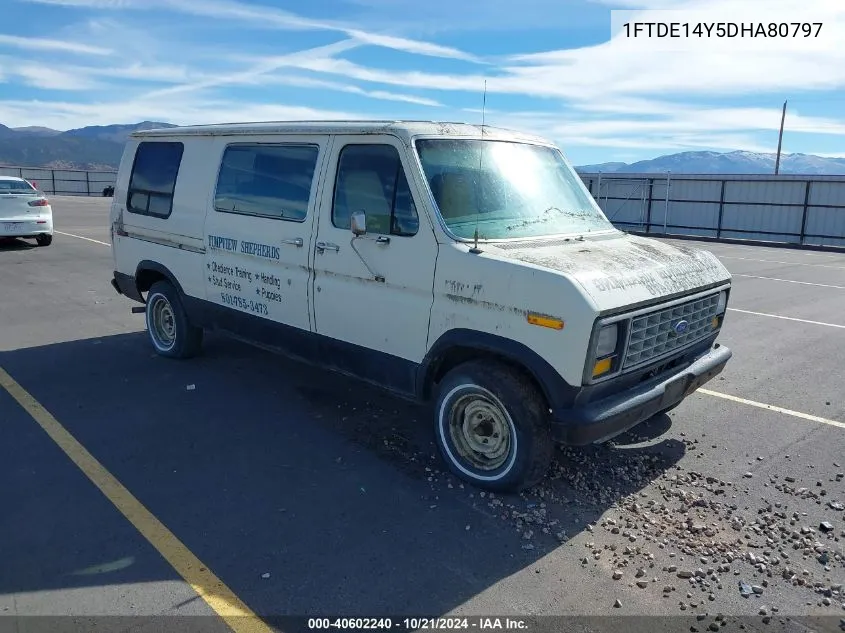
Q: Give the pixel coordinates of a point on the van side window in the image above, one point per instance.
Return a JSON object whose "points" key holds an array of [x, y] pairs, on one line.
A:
{"points": [[153, 178], [370, 178], [271, 181]]}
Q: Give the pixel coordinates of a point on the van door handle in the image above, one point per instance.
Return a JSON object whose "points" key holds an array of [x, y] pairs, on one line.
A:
{"points": [[323, 246], [298, 241]]}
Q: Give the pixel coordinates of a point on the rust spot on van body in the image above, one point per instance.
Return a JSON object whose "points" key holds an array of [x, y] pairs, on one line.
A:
{"points": [[464, 289], [485, 305]]}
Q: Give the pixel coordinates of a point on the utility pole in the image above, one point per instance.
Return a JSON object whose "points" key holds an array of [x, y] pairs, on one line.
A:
{"points": [[780, 139]]}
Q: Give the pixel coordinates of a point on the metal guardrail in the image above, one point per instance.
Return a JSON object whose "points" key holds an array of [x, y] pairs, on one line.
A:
{"points": [[64, 182], [797, 210]]}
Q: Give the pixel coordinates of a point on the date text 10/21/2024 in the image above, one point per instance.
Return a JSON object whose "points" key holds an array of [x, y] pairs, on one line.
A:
{"points": [[419, 624]]}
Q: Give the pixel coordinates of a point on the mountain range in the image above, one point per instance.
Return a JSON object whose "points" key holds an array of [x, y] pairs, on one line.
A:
{"points": [[101, 147], [738, 162], [95, 147]]}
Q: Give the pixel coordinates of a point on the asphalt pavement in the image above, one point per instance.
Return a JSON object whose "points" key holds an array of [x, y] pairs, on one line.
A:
{"points": [[309, 494]]}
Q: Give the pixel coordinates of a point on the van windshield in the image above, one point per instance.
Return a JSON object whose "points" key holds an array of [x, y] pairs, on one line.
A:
{"points": [[506, 189]]}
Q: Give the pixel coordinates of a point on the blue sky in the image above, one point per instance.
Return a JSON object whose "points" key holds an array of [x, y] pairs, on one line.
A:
{"points": [[551, 67]]}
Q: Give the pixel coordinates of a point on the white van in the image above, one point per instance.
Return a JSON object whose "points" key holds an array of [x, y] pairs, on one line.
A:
{"points": [[462, 266]]}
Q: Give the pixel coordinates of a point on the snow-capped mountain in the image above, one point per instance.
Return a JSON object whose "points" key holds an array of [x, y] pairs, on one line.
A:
{"points": [[738, 162]]}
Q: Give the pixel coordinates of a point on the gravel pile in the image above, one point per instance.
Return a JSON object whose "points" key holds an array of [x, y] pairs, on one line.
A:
{"points": [[653, 526], [685, 536]]}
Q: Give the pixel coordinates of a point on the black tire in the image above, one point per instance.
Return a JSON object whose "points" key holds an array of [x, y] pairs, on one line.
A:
{"points": [[44, 240], [503, 397], [170, 332]]}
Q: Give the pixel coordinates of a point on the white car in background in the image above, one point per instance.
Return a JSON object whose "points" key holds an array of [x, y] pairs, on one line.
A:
{"points": [[25, 212]]}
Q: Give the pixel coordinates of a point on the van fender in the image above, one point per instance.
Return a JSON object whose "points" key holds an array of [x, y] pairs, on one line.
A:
{"points": [[459, 345], [146, 266]]}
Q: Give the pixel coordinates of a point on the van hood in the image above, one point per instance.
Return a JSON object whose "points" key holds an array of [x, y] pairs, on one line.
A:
{"points": [[625, 270]]}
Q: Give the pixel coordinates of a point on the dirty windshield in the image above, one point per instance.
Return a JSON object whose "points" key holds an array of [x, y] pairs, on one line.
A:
{"points": [[506, 189]]}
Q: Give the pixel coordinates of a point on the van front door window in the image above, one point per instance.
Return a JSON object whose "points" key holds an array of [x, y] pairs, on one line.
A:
{"points": [[370, 178]]}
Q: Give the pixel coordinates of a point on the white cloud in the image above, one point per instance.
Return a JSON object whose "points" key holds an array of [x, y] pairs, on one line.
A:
{"points": [[64, 115], [631, 95], [46, 78], [310, 82], [43, 44], [683, 126], [140, 72], [76, 77], [270, 17], [264, 66]]}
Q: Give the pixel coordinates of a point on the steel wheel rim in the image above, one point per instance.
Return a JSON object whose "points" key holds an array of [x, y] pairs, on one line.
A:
{"points": [[480, 431], [162, 322]]}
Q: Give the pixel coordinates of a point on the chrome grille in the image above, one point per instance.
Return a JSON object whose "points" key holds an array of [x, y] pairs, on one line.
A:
{"points": [[653, 335]]}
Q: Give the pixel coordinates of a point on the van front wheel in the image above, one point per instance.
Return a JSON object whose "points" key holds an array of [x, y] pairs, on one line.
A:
{"points": [[170, 332], [492, 427]]}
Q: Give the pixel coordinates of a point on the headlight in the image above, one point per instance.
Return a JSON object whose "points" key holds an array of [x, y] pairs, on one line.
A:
{"points": [[723, 302], [607, 340]]}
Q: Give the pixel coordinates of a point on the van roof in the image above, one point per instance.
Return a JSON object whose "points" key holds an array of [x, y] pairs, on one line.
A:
{"points": [[403, 129]]}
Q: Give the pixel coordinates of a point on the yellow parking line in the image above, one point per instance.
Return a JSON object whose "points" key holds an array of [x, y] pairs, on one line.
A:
{"points": [[209, 587]]}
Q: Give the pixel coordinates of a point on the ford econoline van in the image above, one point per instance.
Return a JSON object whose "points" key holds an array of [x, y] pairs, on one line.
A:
{"points": [[463, 266]]}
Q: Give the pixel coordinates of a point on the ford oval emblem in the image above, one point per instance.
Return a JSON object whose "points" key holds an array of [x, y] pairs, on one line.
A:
{"points": [[681, 327]]}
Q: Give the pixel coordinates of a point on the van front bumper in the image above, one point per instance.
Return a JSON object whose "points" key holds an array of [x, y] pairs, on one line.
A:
{"points": [[603, 419]]}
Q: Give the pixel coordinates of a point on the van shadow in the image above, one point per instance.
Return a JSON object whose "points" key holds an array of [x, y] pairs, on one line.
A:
{"points": [[261, 465]]}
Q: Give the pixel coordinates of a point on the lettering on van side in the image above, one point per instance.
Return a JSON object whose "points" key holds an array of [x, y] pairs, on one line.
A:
{"points": [[214, 280], [269, 295], [245, 304], [243, 274], [218, 243], [260, 250], [220, 268], [271, 280]]}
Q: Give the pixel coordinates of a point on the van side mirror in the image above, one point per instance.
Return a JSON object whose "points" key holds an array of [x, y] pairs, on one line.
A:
{"points": [[358, 223]]}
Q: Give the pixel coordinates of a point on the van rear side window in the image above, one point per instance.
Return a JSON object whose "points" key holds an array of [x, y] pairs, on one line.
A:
{"points": [[271, 181], [153, 178]]}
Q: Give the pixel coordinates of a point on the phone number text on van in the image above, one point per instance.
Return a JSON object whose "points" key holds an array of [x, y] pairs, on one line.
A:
{"points": [[244, 304]]}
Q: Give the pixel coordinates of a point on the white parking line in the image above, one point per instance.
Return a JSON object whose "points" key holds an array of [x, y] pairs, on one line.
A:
{"points": [[759, 250], [777, 316], [83, 238], [774, 261], [790, 281], [771, 407], [776, 252]]}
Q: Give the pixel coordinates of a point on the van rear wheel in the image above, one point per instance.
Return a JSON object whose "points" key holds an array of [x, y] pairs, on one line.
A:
{"points": [[492, 427], [168, 327]]}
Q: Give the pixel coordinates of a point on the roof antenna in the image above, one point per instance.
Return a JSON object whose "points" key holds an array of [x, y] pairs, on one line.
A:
{"points": [[475, 250]]}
